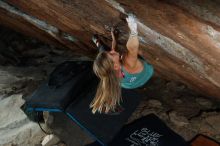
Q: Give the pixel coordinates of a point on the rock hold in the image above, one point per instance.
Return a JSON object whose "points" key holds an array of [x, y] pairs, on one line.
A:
{"points": [[204, 102]]}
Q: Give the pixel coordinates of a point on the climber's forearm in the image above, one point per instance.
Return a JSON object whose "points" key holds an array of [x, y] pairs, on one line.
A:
{"points": [[133, 45], [114, 43]]}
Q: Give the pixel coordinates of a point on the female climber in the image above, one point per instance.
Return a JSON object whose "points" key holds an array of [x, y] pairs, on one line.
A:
{"points": [[127, 71]]}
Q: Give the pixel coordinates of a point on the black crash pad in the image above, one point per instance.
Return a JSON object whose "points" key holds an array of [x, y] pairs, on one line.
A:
{"points": [[147, 131], [52, 96], [73, 96], [102, 127]]}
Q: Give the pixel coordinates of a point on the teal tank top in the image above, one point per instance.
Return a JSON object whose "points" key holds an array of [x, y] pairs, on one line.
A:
{"points": [[131, 81]]}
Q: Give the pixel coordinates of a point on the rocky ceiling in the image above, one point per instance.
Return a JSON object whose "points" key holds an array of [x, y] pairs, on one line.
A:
{"points": [[180, 38]]}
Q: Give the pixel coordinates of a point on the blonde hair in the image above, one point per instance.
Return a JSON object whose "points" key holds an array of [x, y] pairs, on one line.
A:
{"points": [[108, 94]]}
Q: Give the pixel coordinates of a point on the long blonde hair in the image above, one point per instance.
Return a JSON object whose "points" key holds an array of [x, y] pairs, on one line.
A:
{"points": [[108, 94]]}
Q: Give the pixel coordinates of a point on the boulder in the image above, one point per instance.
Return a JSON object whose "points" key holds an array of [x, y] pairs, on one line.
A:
{"points": [[180, 38], [15, 127]]}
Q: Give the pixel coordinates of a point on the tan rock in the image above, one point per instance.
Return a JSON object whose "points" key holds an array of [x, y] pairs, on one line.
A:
{"points": [[214, 122], [178, 120], [154, 103], [15, 127], [50, 140]]}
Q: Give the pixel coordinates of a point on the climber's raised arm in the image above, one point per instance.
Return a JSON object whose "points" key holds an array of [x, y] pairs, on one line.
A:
{"points": [[114, 43], [133, 42]]}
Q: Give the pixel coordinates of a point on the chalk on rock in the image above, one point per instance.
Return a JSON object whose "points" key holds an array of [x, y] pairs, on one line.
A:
{"points": [[50, 140]]}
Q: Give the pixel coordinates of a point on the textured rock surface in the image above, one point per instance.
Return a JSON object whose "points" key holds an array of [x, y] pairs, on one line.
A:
{"points": [[15, 127], [180, 38], [183, 110]]}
